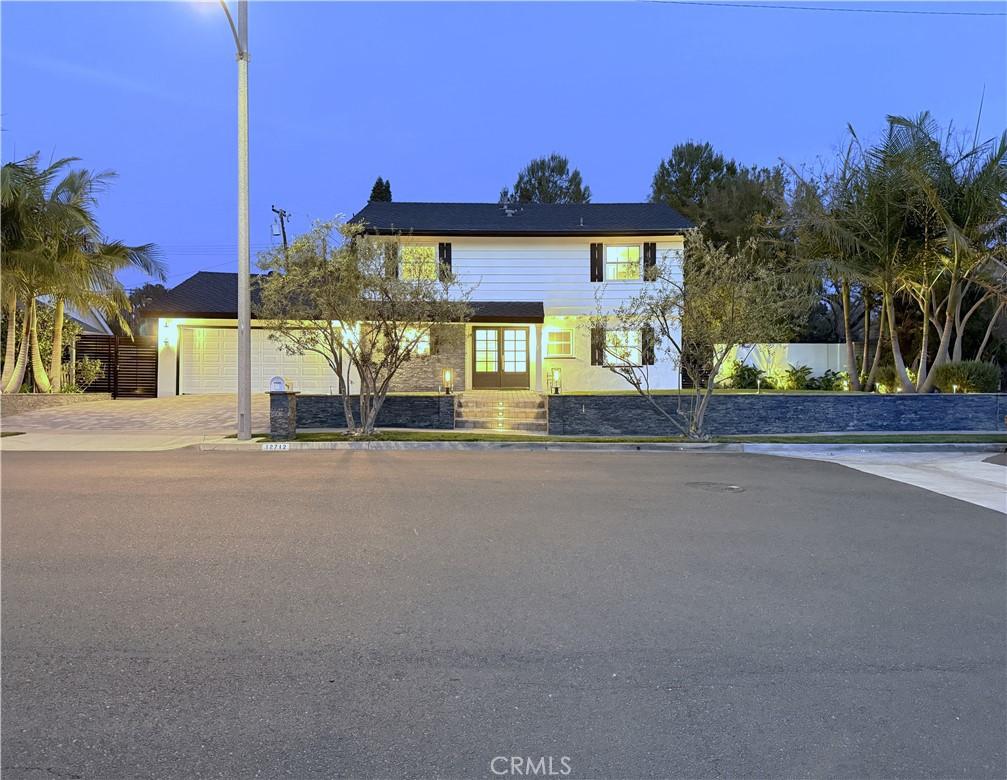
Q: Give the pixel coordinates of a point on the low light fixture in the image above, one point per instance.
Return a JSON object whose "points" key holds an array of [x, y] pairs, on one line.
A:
{"points": [[447, 378], [758, 385], [556, 376], [954, 388]]}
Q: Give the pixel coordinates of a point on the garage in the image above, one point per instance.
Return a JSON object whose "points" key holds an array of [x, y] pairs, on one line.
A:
{"points": [[208, 363]]}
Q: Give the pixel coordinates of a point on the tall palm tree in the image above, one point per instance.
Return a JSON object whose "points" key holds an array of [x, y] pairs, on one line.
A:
{"points": [[63, 255], [963, 189]]}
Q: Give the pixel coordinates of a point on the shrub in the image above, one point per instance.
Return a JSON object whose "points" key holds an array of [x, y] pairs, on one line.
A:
{"points": [[970, 376], [88, 371], [744, 377], [797, 377], [831, 381], [886, 380]]}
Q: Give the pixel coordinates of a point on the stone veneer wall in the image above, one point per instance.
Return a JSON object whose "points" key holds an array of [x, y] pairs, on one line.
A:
{"points": [[326, 411], [423, 374], [629, 415], [19, 403]]}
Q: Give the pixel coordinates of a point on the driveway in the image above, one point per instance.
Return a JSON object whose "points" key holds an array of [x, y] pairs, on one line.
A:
{"points": [[194, 414], [418, 614]]}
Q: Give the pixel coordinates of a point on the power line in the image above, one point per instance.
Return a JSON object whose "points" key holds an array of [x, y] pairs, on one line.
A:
{"points": [[914, 12]]}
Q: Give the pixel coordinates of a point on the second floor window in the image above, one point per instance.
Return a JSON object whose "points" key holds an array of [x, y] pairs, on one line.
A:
{"points": [[622, 263], [418, 263]]}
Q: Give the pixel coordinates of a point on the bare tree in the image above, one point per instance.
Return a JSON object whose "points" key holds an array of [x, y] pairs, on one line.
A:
{"points": [[346, 296], [696, 314]]}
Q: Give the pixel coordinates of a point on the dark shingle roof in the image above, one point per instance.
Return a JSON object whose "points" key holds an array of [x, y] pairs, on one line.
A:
{"points": [[204, 294], [524, 219], [211, 294]]}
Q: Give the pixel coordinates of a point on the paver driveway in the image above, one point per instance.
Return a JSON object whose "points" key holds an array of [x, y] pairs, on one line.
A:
{"points": [[192, 413]]}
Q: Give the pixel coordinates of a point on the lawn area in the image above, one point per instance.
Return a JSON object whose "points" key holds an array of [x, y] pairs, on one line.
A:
{"points": [[852, 438]]}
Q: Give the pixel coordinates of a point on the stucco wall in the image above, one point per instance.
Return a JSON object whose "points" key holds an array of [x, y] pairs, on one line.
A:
{"points": [[775, 413]]}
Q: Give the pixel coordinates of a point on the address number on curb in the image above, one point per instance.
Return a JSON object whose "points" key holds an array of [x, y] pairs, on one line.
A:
{"points": [[276, 446]]}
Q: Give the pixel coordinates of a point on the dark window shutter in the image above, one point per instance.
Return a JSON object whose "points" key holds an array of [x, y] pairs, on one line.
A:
{"points": [[647, 342], [649, 261], [597, 271], [444, 258], [597, 346]]}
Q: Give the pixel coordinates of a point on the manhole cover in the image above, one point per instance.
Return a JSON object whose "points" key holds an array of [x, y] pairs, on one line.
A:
{"points": [[717, 487]]}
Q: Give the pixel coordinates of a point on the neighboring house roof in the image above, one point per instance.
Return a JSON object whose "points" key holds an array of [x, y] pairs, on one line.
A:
{"points": [[521, 219], [209, 294]]}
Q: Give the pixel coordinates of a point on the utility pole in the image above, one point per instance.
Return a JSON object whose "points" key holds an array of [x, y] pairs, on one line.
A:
{"points": [[284, 216]]}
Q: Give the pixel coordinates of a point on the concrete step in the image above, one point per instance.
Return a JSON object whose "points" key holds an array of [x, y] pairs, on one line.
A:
{"points": [[482, 403], [501, 424], [509, 412]]}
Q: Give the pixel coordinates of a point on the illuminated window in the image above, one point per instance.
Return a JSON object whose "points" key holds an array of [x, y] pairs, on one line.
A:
{"points": [[622, 263], [623, 348], [559, 343], [418, 263], [421, 344]]}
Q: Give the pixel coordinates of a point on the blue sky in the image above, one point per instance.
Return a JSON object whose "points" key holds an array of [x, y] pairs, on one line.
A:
{"points": [[450, 100]]}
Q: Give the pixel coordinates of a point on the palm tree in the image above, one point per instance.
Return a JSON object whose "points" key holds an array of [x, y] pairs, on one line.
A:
{"points": [[62, 254], [962, 189]]}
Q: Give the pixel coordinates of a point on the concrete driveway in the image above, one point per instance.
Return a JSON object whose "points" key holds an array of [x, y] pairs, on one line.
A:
{"points": [[396, 614], [192, 414]]}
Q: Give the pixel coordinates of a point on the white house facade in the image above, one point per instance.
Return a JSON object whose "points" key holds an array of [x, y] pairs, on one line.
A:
{"points": [[536, 274]]}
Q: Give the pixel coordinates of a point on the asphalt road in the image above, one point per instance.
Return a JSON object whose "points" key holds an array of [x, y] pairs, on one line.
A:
{"points": [[393, 614]]}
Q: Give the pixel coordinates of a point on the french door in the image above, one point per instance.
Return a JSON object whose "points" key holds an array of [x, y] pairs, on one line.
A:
{"points": [[500, 358]]}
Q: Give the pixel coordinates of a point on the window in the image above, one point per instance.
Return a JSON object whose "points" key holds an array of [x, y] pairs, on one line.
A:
{"points": [[418, 263], [421, 347], [623, 347], [622, 263], [559, 343]]}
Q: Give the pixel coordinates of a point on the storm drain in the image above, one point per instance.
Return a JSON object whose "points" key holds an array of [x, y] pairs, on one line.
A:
{"points": [[716, 487]]}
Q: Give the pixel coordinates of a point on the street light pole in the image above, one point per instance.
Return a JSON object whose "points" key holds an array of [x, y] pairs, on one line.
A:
{"points": [[240, 33]]}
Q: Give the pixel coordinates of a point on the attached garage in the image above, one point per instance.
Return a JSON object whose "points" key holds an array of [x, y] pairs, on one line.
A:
{"points": [[208, 360]]}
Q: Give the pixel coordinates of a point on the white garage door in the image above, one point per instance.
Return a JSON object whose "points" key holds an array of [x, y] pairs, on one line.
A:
{"points": [[208, 363]]}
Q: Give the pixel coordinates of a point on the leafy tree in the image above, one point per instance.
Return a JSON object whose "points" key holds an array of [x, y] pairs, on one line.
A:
{"points": [[140, 300], [337, 293], [733, 298], [548, 180], [381, 192], [728, 201]]}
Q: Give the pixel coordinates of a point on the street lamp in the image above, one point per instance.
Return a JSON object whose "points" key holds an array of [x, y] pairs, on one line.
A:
{"points": [[240, 32]]}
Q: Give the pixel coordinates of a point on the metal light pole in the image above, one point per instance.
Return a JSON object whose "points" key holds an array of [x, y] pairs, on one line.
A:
{"points": [[240, 33]]}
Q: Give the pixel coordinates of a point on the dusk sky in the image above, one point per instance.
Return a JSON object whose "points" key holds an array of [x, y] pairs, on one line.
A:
{"points": [[450, 100]]}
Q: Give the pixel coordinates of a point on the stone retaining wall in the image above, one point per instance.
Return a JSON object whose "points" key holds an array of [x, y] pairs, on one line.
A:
{"points": [[19, 403], [430, 412], [768, 413]]}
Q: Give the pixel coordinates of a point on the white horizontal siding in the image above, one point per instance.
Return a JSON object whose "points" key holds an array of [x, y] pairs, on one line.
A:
{"points": [[556, 271]]}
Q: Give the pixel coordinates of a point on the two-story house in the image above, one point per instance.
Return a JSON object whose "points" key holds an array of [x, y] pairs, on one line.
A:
{"points": [[536, 274]]}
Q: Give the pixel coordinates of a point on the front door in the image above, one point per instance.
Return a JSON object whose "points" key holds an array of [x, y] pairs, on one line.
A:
{"points": [[500, 358]]}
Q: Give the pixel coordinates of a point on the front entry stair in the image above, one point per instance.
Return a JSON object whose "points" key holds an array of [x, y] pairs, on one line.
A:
{"points": [[501, 411]]}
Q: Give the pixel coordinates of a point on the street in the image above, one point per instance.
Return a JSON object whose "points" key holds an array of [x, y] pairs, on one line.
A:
{"points": [[421, 614]]}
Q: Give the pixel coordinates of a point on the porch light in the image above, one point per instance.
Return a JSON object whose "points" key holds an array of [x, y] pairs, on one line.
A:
{"points": [[556, 376], [168, 331], [447, 378]]}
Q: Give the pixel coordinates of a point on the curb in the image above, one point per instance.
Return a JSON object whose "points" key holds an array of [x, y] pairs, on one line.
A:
{"points": [[533, 446]]}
